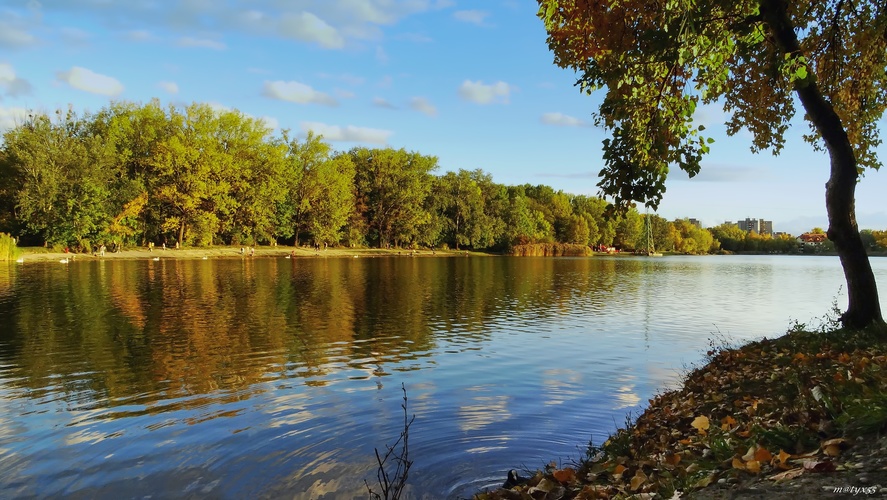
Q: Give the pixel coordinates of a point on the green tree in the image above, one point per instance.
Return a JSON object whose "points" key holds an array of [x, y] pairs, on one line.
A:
{"points": [[64, 174], [191, 176], [731, 237], [657, 61], [391, 186]]}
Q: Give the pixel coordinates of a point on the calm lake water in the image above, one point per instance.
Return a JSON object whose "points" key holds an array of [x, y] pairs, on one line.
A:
{"points": [[276, 378]]}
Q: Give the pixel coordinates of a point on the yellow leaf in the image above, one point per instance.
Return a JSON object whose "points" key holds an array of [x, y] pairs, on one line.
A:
{"points": [[619, 469], [737, 464], [753, 466], [749, 455], [701, 424]]}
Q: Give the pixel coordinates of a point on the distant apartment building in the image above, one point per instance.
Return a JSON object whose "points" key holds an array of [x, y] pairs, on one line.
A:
{"points": [[759, 226], [695, 222]]}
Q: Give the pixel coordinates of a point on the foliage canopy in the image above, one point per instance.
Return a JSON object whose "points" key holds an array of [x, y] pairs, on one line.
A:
{"points": [[659, 60]]}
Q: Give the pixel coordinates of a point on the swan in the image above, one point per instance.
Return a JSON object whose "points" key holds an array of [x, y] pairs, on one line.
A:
{"points": [[64, 261], [20, 260], [156, 258], [205, 257]]}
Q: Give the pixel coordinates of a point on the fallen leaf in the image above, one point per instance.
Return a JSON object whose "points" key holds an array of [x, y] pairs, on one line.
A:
{"points": [[638, 480], [737, 464], [704, 482], [832, 450], [787, 475], [728, 423], [817, 466], [701, 424], [749, 455], [567, 475], [763, 455], [753, 466]]}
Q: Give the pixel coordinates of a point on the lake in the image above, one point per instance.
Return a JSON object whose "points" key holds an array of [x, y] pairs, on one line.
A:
{"points": [[277, 378]]}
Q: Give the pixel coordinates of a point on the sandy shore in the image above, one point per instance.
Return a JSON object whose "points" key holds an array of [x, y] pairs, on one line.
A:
{"points": [[37, 255]]}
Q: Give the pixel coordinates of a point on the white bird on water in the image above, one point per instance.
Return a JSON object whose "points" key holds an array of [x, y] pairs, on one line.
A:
{"points": [[156, 258], [20, 260], [64, 261]]}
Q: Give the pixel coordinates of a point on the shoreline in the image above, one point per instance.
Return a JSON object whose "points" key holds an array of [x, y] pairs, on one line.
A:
{"points": [[32, 254]]}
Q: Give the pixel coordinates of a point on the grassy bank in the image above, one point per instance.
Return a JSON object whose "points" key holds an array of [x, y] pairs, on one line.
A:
{"points": [[772, 417]]}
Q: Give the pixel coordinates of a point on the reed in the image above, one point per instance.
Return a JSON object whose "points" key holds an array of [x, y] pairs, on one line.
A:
{"points": [[8, 249], [551, 250]]}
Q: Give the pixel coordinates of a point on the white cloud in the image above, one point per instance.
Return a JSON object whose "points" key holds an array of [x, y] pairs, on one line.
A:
{"points": [[307, 27], [471, 16], [385, 82], [12, 84], [348, 133], [139, 36], [169, 87], [14, 37], [204, 43], [414, 38], [12, 117], [270, 122], [88, 81], [381, 55], [329, 23], [75, 36], [480, 93], [296, 92], [422, 105], [562, 120], [382, 103], [344, 94]]}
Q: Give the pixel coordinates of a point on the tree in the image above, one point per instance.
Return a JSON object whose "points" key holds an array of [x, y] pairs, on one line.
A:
{"points": [[64, 176], [659, 60], [392, 186], [193, 181]]}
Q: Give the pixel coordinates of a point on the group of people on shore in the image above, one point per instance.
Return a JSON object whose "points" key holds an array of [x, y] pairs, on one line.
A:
{"points": [[251, 251]]}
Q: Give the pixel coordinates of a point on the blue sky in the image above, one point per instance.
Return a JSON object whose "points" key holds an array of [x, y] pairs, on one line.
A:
{"points": [[470, 82]]}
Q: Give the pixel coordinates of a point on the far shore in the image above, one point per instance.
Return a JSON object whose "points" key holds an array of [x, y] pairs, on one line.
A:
{"points": [[31, 254]]}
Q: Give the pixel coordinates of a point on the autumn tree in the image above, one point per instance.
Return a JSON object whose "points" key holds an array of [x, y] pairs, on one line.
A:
{"points": [[757, 58]]}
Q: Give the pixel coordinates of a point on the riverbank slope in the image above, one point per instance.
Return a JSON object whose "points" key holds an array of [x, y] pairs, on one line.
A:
{"points": [[798, 415]]}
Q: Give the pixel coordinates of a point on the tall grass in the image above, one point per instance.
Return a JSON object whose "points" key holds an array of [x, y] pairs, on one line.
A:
{"points": [[550, 250], [8, 249]]}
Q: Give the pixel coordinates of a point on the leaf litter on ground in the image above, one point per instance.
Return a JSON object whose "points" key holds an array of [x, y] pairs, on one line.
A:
{"points": [[774, 409]]}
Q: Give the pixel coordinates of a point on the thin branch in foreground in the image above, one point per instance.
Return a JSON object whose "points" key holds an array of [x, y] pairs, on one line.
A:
{"points": [[394, 467]]}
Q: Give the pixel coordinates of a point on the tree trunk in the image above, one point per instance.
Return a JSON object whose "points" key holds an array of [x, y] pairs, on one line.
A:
{"points": [[181, 233], [864, 308]]}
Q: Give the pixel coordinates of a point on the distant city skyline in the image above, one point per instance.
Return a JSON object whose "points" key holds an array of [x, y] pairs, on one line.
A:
{"points": [[470, 83]]}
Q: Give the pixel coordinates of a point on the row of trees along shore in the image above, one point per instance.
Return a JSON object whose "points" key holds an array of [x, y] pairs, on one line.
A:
{"points": [[137, 173], [132, 174]]}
